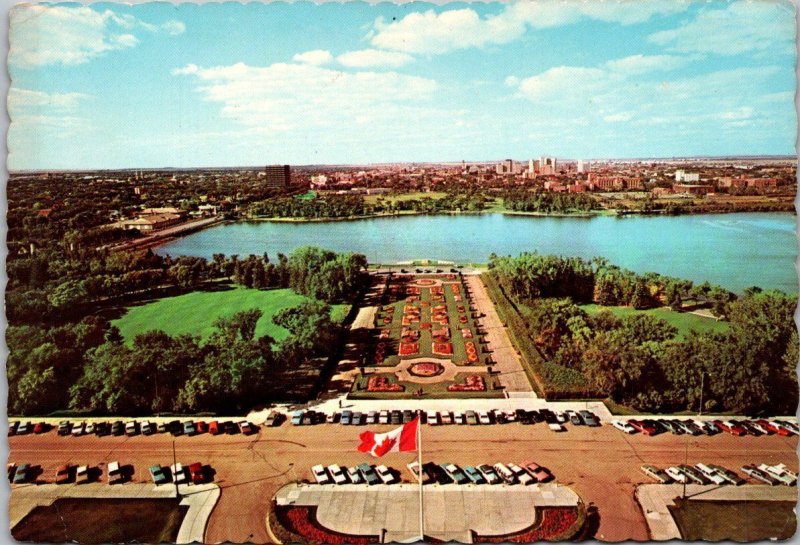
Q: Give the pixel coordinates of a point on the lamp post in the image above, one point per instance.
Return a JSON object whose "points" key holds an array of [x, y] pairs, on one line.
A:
{"points": [[291, 466]]}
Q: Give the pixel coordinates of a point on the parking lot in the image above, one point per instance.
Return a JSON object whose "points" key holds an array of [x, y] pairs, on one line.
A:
{"points": [[601, 464]]}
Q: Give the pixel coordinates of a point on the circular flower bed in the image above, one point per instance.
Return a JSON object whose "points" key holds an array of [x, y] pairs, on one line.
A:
{"points": [[425, 282], [426, 369]]}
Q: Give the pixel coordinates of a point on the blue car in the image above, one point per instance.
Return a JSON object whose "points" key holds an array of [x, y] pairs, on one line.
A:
{"points": [[347, 418], [473, 475], [297, 418]]}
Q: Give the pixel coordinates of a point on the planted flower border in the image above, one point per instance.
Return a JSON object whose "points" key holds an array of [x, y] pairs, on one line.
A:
{"points": [[301, 520]]}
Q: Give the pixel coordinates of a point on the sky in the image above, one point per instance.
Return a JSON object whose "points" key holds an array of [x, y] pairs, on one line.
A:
{"points": [[186, 85]]}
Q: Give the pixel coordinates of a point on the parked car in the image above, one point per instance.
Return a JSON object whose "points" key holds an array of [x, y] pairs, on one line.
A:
{"points": [[711, 474], [131, 428], [297, 418], [337, 474], [200, 427], [677, 475], [77, 430], [643, 427], [369, 475], [118, 428], [41, 427], [474, 475], [115, 474], [432, 418], [273, 419], [506, 474], [64, 428], [12, 428], [455, 473], [354, 475], [459, 418], [359, 419], [483, 418], [383, 417], [730, 427], [752, 471], [213, 427], [157, 474], [372, 417], [623, 426], [82, 475], [693, 474], [408, 416], [246, 428], [472, 418], [396, 417], [446, 418], [24, 428], [63, 474], [656, 474], [731, 476], [780, 472], [539, 473], [574, 418], [163, 427], [22, 474], [11, 469], [489, 474], [522, 475], [196, 474], [101, 429], [385, 474], [178, 471], [347, 418], [188, 428]]}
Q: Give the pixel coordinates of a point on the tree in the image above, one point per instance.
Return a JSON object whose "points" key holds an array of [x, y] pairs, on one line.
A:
{"points": [[672, 296], [640, 298]]}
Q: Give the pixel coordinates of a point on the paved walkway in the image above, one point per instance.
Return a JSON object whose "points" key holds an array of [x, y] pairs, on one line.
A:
{"points": [[655, 500], [201, 500], [401, 370], [451, 511], [512, 374]]}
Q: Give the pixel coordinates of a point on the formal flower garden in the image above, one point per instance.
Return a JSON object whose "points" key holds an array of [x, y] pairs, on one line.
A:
{"points": [[428, 317], [426, 369]]}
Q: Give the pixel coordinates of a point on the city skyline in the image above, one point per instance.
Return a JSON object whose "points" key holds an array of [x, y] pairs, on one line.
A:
{"points": [[113, 86]]}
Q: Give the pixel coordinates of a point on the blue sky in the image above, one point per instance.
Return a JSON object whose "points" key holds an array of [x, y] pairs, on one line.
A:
{"points": [[156, 85]]}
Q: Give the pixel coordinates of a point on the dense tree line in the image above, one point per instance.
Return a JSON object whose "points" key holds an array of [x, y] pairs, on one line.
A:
{"points": [[638, 360], [548, 202]]}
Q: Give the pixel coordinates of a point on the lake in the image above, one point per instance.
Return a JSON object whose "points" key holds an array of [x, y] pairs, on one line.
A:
{"points": [[733, 250]]}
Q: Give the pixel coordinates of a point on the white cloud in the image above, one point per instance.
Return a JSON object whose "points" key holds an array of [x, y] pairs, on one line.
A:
{"points": [[739, 27], [71, 35], [641, 64], [283, 97], [511, 81], [317, 57], [370, 58], [431, 32], [187, 70], [615, 118], [19, 99]]}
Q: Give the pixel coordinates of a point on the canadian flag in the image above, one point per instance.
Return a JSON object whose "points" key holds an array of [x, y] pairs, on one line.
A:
{"points": [[400, 439]]}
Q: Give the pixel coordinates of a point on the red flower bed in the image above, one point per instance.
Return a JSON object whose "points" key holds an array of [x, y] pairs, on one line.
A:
{"points": [[379, 383], [411, 319], [443, 349], [456, 288], [384, 334], [409, 349], [441, 335], [457, 298], [463, 319], [425, 325], [473, 383], [409, 335], [437, 290], [551, 525], [302, 520]]}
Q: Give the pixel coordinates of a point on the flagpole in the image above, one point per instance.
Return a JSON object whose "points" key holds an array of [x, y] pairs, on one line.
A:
{"points": [[419, 470]]}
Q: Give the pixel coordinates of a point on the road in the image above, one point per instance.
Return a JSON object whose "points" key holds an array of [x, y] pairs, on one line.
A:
{"points": [[601, 464]]}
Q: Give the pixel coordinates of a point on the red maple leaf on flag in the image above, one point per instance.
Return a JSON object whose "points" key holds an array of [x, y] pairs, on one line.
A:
{"points": [[367, 441], [385, 446]]}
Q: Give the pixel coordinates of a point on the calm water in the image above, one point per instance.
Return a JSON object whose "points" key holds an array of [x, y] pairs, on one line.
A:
{"points": [[733, 250]]}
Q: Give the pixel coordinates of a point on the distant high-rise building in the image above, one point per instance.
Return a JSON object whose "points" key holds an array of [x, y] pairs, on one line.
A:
{"points": [[505, 167], [547, 166], [581, 168], [278, 176]]}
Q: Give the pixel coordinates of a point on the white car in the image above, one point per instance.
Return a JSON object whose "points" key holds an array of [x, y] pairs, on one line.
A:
{"points": [[561, 417], [383, 417], [338, 474], [677, 475], [432, 418], [780, 472], [320, 474], [78, 429], [459, 418], [523, 476], [446, 418], [115, 474], [178, 473], [511, 416], [623, 426], [506, 474], [711, 474], [89, 428], [555, 427], [483, 418], [82, 475], [385, 475], [355, 475]]}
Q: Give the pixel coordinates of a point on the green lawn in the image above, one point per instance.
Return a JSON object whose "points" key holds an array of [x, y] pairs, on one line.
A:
{"points": [[194, 313], [684, 322]]}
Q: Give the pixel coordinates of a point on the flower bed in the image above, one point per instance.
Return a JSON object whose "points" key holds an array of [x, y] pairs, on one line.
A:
{"points": [[425, 325], [443, 349], [409, 335], [466, 333], [552, 524], [384, 334], [409, 349], [425, 282], [472, 383], [426, 369], [302, 520], [441, 335], [472, 352], [380, 383]]}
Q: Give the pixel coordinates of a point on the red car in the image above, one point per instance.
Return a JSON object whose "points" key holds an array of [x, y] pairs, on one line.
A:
{"points": [[201, 427], [213, 428], [730, 427], [63, 474], [196, 473], [772, 428], [642, 427], [39, 427]]}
